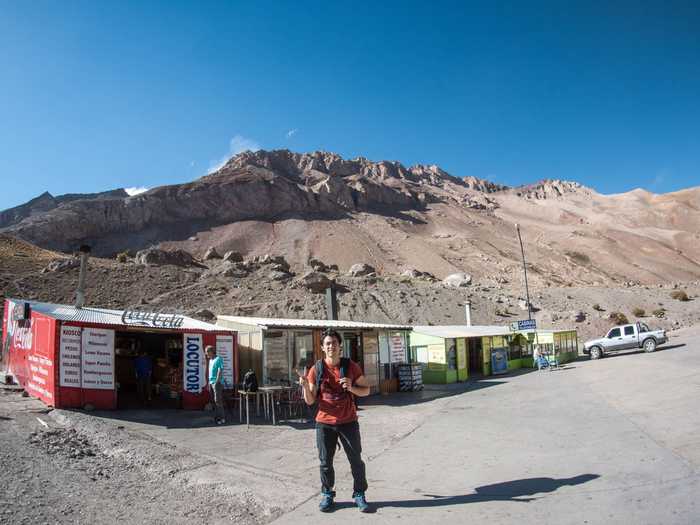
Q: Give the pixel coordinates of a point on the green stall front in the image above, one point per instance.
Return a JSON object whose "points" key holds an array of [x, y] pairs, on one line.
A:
{"points": [[455, 353]]}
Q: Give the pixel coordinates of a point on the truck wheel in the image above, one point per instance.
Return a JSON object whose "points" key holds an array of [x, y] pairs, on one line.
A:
{"points": [[596, 352], [649, 345]]}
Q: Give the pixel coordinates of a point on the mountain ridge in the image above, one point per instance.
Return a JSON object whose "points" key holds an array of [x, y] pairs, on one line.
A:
{"points": [[392, 216]]}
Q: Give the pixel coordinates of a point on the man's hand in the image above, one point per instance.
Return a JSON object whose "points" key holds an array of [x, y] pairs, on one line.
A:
{"points": [[346, 383]]}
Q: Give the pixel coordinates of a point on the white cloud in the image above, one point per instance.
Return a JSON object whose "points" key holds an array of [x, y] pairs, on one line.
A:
{"points": [[135, 190], [660, 178], [292, 132], [238, 144]]}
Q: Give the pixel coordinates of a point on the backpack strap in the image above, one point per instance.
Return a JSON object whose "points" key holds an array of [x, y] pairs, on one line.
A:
{"points": [[344, 366], [344, 369], [319, 376]]}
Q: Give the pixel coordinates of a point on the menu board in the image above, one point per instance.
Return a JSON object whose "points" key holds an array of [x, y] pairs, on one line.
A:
{"points": [[397, 347], [98, 359], [224, 349], [69, 356]]}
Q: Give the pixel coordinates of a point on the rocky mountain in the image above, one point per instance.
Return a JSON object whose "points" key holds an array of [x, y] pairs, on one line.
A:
{"points": [[320, 206], [47, 202]]}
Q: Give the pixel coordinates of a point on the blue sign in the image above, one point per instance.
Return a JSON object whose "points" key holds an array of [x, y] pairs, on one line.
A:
{"points": [[527, 324], [499, 361]]}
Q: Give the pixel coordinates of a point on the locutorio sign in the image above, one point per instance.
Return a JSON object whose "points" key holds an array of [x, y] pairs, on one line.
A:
{"points": [[194, 369]]}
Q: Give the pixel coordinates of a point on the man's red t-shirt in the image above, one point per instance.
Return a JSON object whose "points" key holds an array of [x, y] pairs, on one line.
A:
{"points": [[335, 405]]}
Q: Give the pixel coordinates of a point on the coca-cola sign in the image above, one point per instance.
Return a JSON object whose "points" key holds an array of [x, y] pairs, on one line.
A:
{"points": [[152, 319]]}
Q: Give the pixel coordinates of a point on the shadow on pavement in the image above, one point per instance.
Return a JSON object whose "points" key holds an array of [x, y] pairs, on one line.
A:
{"points": [[429, 393], [520, 490], [641, 351]]}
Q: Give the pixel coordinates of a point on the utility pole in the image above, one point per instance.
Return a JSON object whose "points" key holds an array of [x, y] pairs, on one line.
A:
{"points": [[527, 291]]}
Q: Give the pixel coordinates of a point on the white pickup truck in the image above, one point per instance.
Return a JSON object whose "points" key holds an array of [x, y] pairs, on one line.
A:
{"points": [[625, 337]]}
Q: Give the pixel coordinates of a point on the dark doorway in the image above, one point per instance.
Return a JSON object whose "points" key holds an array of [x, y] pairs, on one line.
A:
{"points": [[164, 352], [476, 357], [352, 348]]}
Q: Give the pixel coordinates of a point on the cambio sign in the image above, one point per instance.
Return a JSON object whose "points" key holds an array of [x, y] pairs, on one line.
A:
{"points": [[195, 368]]}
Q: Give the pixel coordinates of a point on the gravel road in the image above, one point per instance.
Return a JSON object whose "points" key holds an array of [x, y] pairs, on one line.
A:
{"points": [[57, 470]]}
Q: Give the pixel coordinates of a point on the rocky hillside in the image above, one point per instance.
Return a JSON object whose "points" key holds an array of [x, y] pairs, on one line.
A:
{"points": [[269, 286], [321, 206]]}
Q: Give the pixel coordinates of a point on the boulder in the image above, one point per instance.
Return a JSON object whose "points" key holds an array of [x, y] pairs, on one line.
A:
{"points": [[580, 317], [62, 264], [360, 269], [232, 256], [278, 275], [211, 253], [457, 280], [236, 271], [317, 265], [411, 273], [204, 314], [158, 257], [277, 260], [315, 281]]}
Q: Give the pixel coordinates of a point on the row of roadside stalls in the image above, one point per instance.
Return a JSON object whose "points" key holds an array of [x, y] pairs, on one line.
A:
{"points": [[72, 357], [275, 348], [454, 353]]}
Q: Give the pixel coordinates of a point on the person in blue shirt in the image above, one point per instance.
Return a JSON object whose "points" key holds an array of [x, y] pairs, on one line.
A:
{"points": [[144, 368], [216, 384]]}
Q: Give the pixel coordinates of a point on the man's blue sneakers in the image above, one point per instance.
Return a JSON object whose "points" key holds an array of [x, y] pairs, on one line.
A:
{"points": [[326, 501], [360, 501]]}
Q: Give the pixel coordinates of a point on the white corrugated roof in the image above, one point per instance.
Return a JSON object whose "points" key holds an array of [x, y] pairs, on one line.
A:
{"points": [[104, 316], [454, 331], [268, 322]]}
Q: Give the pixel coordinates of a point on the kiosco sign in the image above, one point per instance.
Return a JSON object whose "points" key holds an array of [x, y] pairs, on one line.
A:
{"points": [[194, 369]]}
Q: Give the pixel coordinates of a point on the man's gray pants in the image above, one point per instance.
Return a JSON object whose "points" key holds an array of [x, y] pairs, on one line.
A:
{"points": [[217, 399]]}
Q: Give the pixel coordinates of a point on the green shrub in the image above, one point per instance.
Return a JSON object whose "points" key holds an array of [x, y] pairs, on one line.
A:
{"points": [[123, 257], [618, 318], [680, 295], [638, 312], [598, 308], [659, 312]]}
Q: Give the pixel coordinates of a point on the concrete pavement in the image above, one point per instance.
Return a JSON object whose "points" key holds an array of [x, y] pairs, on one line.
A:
{"points": [[609, 441]]}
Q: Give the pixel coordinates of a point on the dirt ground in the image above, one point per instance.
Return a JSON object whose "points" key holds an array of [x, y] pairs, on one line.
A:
{"points": [[98, 473]]}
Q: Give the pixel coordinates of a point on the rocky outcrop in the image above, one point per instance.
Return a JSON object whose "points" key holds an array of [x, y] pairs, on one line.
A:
{"points": [[315, 282], [550, 188], [47, 202], [361, 269], [156, 257], [232, 256], [457, 280], [59, 265], [211, 253]]}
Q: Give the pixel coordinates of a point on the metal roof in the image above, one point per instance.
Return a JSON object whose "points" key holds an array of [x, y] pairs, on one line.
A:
{"points": [[104, 316], [266, 322], [454, 331]]}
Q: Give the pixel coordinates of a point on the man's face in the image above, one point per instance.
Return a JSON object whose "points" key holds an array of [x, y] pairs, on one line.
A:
{"points": [[330, 347], [210, 355]]}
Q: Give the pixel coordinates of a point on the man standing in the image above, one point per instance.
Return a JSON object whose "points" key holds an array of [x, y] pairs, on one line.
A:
{"points": [[216, 386], [337, 417], [143, 366]]}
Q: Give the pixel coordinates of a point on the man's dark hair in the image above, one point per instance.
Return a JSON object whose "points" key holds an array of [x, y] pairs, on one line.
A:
{"points": [[331, 333], [210, 349]]}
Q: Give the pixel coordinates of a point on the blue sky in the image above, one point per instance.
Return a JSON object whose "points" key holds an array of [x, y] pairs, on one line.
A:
{"points": [[99, 95]]}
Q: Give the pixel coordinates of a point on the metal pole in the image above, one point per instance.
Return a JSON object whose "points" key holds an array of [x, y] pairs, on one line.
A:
{"points": [[527, 291], [80, 293]]}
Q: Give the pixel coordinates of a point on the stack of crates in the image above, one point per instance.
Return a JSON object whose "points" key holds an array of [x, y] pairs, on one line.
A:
{"points": [[410, 377]]}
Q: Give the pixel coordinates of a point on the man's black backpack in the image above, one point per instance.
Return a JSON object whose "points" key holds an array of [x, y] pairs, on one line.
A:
{"points": [[250, 382], [344, 367]]}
